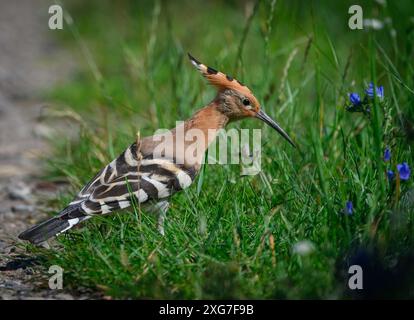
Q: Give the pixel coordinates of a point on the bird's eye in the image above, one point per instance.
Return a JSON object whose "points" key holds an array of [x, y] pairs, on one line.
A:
{"points": [[246, 102]]}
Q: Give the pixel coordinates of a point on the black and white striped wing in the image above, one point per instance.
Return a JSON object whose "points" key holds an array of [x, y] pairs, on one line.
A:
{"points": [[125, 178]]}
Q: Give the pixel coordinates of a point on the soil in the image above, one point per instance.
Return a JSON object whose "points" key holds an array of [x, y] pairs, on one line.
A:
{"points": [[31, 62]]}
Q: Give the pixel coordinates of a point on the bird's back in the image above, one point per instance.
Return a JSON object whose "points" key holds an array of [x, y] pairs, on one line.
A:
{"points": [[135, 175]]}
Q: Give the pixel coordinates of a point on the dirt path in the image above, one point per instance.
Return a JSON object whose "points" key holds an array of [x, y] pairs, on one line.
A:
{"points": [[30, 62]]}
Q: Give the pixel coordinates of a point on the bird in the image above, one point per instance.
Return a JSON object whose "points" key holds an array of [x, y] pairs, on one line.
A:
{"points": [[145, 176]]}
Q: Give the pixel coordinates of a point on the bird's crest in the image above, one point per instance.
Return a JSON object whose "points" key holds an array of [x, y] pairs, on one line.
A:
{"points": [[219, 79]]}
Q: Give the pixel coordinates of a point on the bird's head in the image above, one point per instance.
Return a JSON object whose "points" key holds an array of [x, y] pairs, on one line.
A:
{"points": [[234, 99]]}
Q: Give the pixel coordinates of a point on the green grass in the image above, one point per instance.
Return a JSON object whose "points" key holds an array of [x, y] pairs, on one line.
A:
{"points": [[301, 61]]}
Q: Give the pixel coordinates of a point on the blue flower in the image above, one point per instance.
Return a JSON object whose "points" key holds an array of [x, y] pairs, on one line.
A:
{"points": [[354, 98], [404, 170], [349, 208], [370, 90], [390, 175], [387, 154], [379, 91]]}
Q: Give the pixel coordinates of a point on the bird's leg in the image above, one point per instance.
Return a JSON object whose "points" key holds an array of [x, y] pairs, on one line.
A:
{"points": [[162, 213], [160, 209]]}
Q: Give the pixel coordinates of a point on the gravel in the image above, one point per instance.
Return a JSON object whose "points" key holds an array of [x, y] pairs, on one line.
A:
{"points": [[31, 62]]}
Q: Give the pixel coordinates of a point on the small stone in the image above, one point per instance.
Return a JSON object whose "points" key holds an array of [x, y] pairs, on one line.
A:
{"points": [[22, 208], [9, 215], [9, 170], [63, 296], [19, 191], [14, 285]]}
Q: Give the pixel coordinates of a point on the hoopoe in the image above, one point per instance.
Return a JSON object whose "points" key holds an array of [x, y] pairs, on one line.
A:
{"points": [[141, 176]]}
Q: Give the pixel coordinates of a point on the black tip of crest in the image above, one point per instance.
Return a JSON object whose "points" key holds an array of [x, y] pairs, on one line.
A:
{"points": [[211, 70], [193, 59]]}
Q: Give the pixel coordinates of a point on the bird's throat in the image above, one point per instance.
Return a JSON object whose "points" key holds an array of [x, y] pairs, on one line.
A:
{"points": [[189, 140], [199, 132], [208, 120]]}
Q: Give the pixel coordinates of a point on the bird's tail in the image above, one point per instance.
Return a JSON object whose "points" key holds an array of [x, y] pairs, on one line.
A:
{"points": [[45, 230]]}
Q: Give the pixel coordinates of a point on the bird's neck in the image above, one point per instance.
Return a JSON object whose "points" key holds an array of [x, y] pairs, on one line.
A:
{"points": [[208, 121], [189, 141], [193, 136]]}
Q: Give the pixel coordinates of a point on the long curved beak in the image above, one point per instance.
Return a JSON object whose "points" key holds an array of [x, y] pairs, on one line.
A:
{"points": [[265, 118]]}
